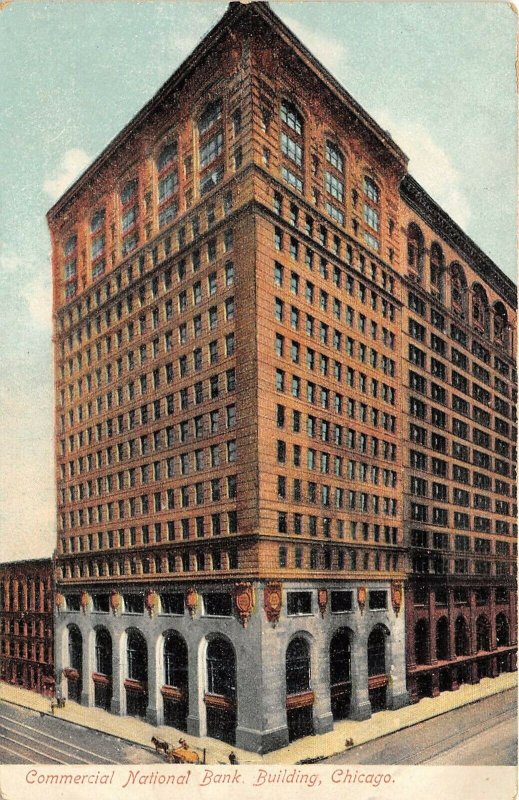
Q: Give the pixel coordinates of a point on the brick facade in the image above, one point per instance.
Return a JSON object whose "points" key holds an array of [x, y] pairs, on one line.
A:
{"points": [[26, 638]]}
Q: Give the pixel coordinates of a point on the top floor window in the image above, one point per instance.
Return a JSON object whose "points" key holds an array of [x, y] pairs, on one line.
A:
{"points": [[480, 315], [291, 116], [334, 156], [458, 290], [415, 250], [167, 156], [97, 222], [437, 270], [371, 190], [129, 192], [210, 115], [70, 245]]}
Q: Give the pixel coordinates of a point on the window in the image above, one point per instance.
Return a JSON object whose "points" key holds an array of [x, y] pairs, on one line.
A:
{"points": [[217, 604], [377, 600], [299, 603]]}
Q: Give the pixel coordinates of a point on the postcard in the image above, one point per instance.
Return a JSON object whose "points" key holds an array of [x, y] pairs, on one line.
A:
{"points": [[259, 388]]}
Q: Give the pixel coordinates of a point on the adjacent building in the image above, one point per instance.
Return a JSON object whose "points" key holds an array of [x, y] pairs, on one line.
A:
{"points": [[27, 624], [232, 281], [459, 397]]}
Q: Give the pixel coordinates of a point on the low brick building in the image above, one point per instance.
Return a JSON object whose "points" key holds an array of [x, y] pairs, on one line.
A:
{"points": [[27, 628]]}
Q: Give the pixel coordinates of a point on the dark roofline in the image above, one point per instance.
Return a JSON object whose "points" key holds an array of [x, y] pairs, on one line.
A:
{"points": [[233, 13], [46, 559], [421, 202]]}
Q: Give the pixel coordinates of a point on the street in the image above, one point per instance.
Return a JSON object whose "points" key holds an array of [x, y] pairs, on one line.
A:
{"points": [[482, 734], [27, 737]]}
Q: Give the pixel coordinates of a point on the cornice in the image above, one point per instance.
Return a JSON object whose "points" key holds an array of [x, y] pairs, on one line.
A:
{"points": [[421, 202]]}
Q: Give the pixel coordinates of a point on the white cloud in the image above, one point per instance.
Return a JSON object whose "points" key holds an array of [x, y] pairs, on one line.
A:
{"points": [[71, 165], [38, 296], [430, 165], [9, 261], [328, 50]]}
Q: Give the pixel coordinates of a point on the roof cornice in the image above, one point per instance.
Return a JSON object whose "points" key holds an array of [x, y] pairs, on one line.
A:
{"points": [[421, 202], [235, 11]]}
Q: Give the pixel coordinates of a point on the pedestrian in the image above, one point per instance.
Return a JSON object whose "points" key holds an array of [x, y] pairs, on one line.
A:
{"points": [[232, 758]]}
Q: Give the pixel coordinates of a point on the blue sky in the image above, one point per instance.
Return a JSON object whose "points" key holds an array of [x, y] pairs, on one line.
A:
{"points": [[439, 76]]}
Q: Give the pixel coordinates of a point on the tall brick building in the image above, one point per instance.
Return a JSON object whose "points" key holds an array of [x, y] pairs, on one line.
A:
{"points": [[27, 624], [231, 291]]}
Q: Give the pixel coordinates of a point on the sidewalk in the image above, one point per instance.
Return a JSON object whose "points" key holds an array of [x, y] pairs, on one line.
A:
{"points": [[315, 747]]}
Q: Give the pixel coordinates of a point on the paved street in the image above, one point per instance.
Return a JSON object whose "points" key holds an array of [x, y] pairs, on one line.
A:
{"points": [[483, 733], [27, 737]]}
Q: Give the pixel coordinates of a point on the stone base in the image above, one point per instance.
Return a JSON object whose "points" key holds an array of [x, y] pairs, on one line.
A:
{"points": [[323, 723], [152, 716], [398, 701], [115, 707], [261, 741], [193, 726], [360, 711]]}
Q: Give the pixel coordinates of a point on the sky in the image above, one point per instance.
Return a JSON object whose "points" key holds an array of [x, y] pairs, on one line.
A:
{"points": [[440, 77]]}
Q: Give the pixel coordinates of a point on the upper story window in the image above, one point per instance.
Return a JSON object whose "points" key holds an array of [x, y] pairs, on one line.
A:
{"points": [[371, 213], [211, 114], [501, 332], [211, 146], [167, 183], [292, 145], [437, 271], [415, 250], [480, 310], [291, 116], [371, 190], [97, 243], [458, 290], [334, 156], [129, 216], [70, 250]]}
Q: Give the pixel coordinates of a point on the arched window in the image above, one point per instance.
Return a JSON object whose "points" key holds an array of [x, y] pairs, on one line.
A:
{"points": [[298, 666], [480, 311], [437, 271], [482, 633], [167, 183], [377, 651], [291, 116], [421, 639], [371, 212], [458, 290], [461, 637], [137, 654], [221, 668], [175, 661], [442, 639], [292, 145], [502, 631], [415, 250], [211, 145], [97, 242], [500, 325], [129, 216], [103, 652], [75, 648]]}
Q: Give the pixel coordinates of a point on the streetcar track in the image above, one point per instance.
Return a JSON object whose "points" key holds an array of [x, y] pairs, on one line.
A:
{"points": [[467, 739], [466, 733], [36, 751], [54, 738], [31, 739], [14, 753]]}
